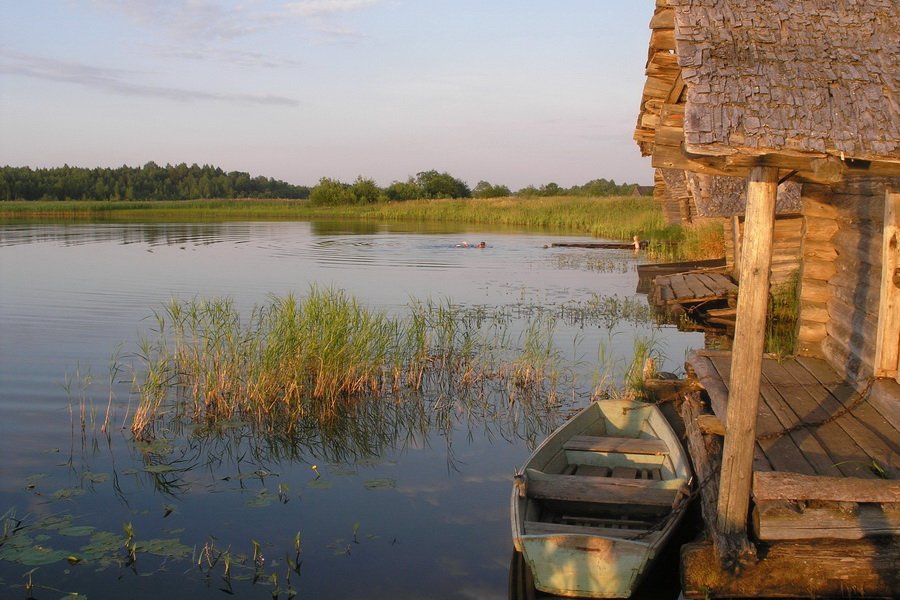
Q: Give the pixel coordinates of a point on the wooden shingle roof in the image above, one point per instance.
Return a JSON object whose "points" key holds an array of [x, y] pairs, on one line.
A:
{"points": [[790, 76]]}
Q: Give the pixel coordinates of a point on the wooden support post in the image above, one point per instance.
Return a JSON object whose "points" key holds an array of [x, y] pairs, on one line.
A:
{"points": [[887, 345], [736, 246], [746, 363]]}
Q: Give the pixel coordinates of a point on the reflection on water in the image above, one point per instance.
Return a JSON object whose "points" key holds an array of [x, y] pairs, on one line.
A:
{"points": [[403, 497]]}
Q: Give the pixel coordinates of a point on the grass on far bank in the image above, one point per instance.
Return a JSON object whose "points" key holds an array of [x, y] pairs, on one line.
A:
{"points": [[616, 217]]}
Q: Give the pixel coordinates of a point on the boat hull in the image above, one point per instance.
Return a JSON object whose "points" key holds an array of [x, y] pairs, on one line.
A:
{"points": [[578, 538], [584, 566]]}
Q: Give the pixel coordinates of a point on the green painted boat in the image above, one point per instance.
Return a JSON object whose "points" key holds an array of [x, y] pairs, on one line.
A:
{"points": [[596, 501]]}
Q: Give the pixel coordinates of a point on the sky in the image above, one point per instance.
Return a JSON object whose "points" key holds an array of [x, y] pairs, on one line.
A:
{"points": [[513, 92]]}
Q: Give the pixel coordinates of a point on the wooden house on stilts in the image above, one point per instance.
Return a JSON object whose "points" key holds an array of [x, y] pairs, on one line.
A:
{"points": [[798, 460]]}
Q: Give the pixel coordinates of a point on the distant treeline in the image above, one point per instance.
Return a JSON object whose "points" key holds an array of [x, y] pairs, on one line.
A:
{"points": [[150, 182], [183, 182]]}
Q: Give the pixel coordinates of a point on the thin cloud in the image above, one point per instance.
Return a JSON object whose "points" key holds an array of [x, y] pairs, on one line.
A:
{"points": [[237, 58], [204, 19], [115, 81], [319, 8]]}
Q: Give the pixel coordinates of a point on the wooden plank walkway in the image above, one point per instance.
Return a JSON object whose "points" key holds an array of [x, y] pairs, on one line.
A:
{"points": [[825, 510], [692, 288], [794, 393]]}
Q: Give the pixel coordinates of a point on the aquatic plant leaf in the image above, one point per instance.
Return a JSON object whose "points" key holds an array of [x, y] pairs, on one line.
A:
{"points": [[159, 468], [103, 547], [95, 477], [380, 484], [67, 493], [34, 478], [262, 499], [157, 446], [53, 522], [320, 484], [36, 555], [342, 470], [76, 531], [171, 547]]}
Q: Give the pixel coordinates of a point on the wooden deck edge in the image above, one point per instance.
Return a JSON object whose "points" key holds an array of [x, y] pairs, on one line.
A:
{"points": [[816, 569], [779, 520], [772, 485]]}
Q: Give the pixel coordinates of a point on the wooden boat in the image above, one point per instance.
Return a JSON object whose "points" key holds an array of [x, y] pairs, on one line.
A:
{"points": [[598, 498]]}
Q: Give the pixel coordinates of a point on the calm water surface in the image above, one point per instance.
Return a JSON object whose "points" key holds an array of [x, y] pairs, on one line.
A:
{"points": [[399, 505]]}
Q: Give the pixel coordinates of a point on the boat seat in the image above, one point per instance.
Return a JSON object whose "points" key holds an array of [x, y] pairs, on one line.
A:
{"points": [[541, 528], [619, 445], [601, 490]]}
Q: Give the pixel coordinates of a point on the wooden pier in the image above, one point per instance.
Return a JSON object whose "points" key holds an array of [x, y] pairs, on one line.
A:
{"points": [[825, 509], [692, 288]]}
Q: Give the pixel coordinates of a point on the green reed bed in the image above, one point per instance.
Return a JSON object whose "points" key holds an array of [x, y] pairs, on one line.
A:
{"points": [[292, 360], [296, 363], [607, 217], [618, 218], [688, 242]]}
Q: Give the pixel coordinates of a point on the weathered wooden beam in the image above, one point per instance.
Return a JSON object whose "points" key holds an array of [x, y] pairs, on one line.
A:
{"points": [[711, 425], [887, 344], [775, 485], [747, 356], [706, 456], [809, 569], [783, 520]]}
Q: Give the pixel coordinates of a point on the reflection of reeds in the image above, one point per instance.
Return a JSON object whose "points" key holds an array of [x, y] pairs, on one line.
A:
{"points": [[784, 310], [293, 360]]}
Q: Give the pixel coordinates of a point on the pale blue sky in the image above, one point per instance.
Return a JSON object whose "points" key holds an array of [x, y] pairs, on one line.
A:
{"points": [[514, 92]]}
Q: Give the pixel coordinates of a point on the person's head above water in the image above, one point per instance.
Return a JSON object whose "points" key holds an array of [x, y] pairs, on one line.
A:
{"points": [[482, 245]]}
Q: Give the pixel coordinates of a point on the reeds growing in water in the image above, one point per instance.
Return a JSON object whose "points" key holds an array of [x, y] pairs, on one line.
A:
{"points": [[293, 360]]}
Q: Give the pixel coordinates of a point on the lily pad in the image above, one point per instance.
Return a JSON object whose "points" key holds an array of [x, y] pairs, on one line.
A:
{"points": [[158, 446], [35, 555], [380, 484], [77, 530], [321, 484], [66, 493], [262, 499], [95, 477], [159, 468], [103, 547], [53, 522], [171, 547]]}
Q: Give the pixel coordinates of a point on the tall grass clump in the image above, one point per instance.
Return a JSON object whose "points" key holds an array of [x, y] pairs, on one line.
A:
{"points": [[699, 241], [293, 361], [285, 360]]}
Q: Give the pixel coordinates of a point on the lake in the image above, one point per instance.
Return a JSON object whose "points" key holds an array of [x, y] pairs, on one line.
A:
{"points": [[394, 503]]}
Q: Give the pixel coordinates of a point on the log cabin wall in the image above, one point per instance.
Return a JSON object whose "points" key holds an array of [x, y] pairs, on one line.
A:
{"points": [[841, 275], [786, 252]]}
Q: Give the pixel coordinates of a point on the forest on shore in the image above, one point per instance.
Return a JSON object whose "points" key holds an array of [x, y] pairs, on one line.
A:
{"points": [[183, 182]]}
